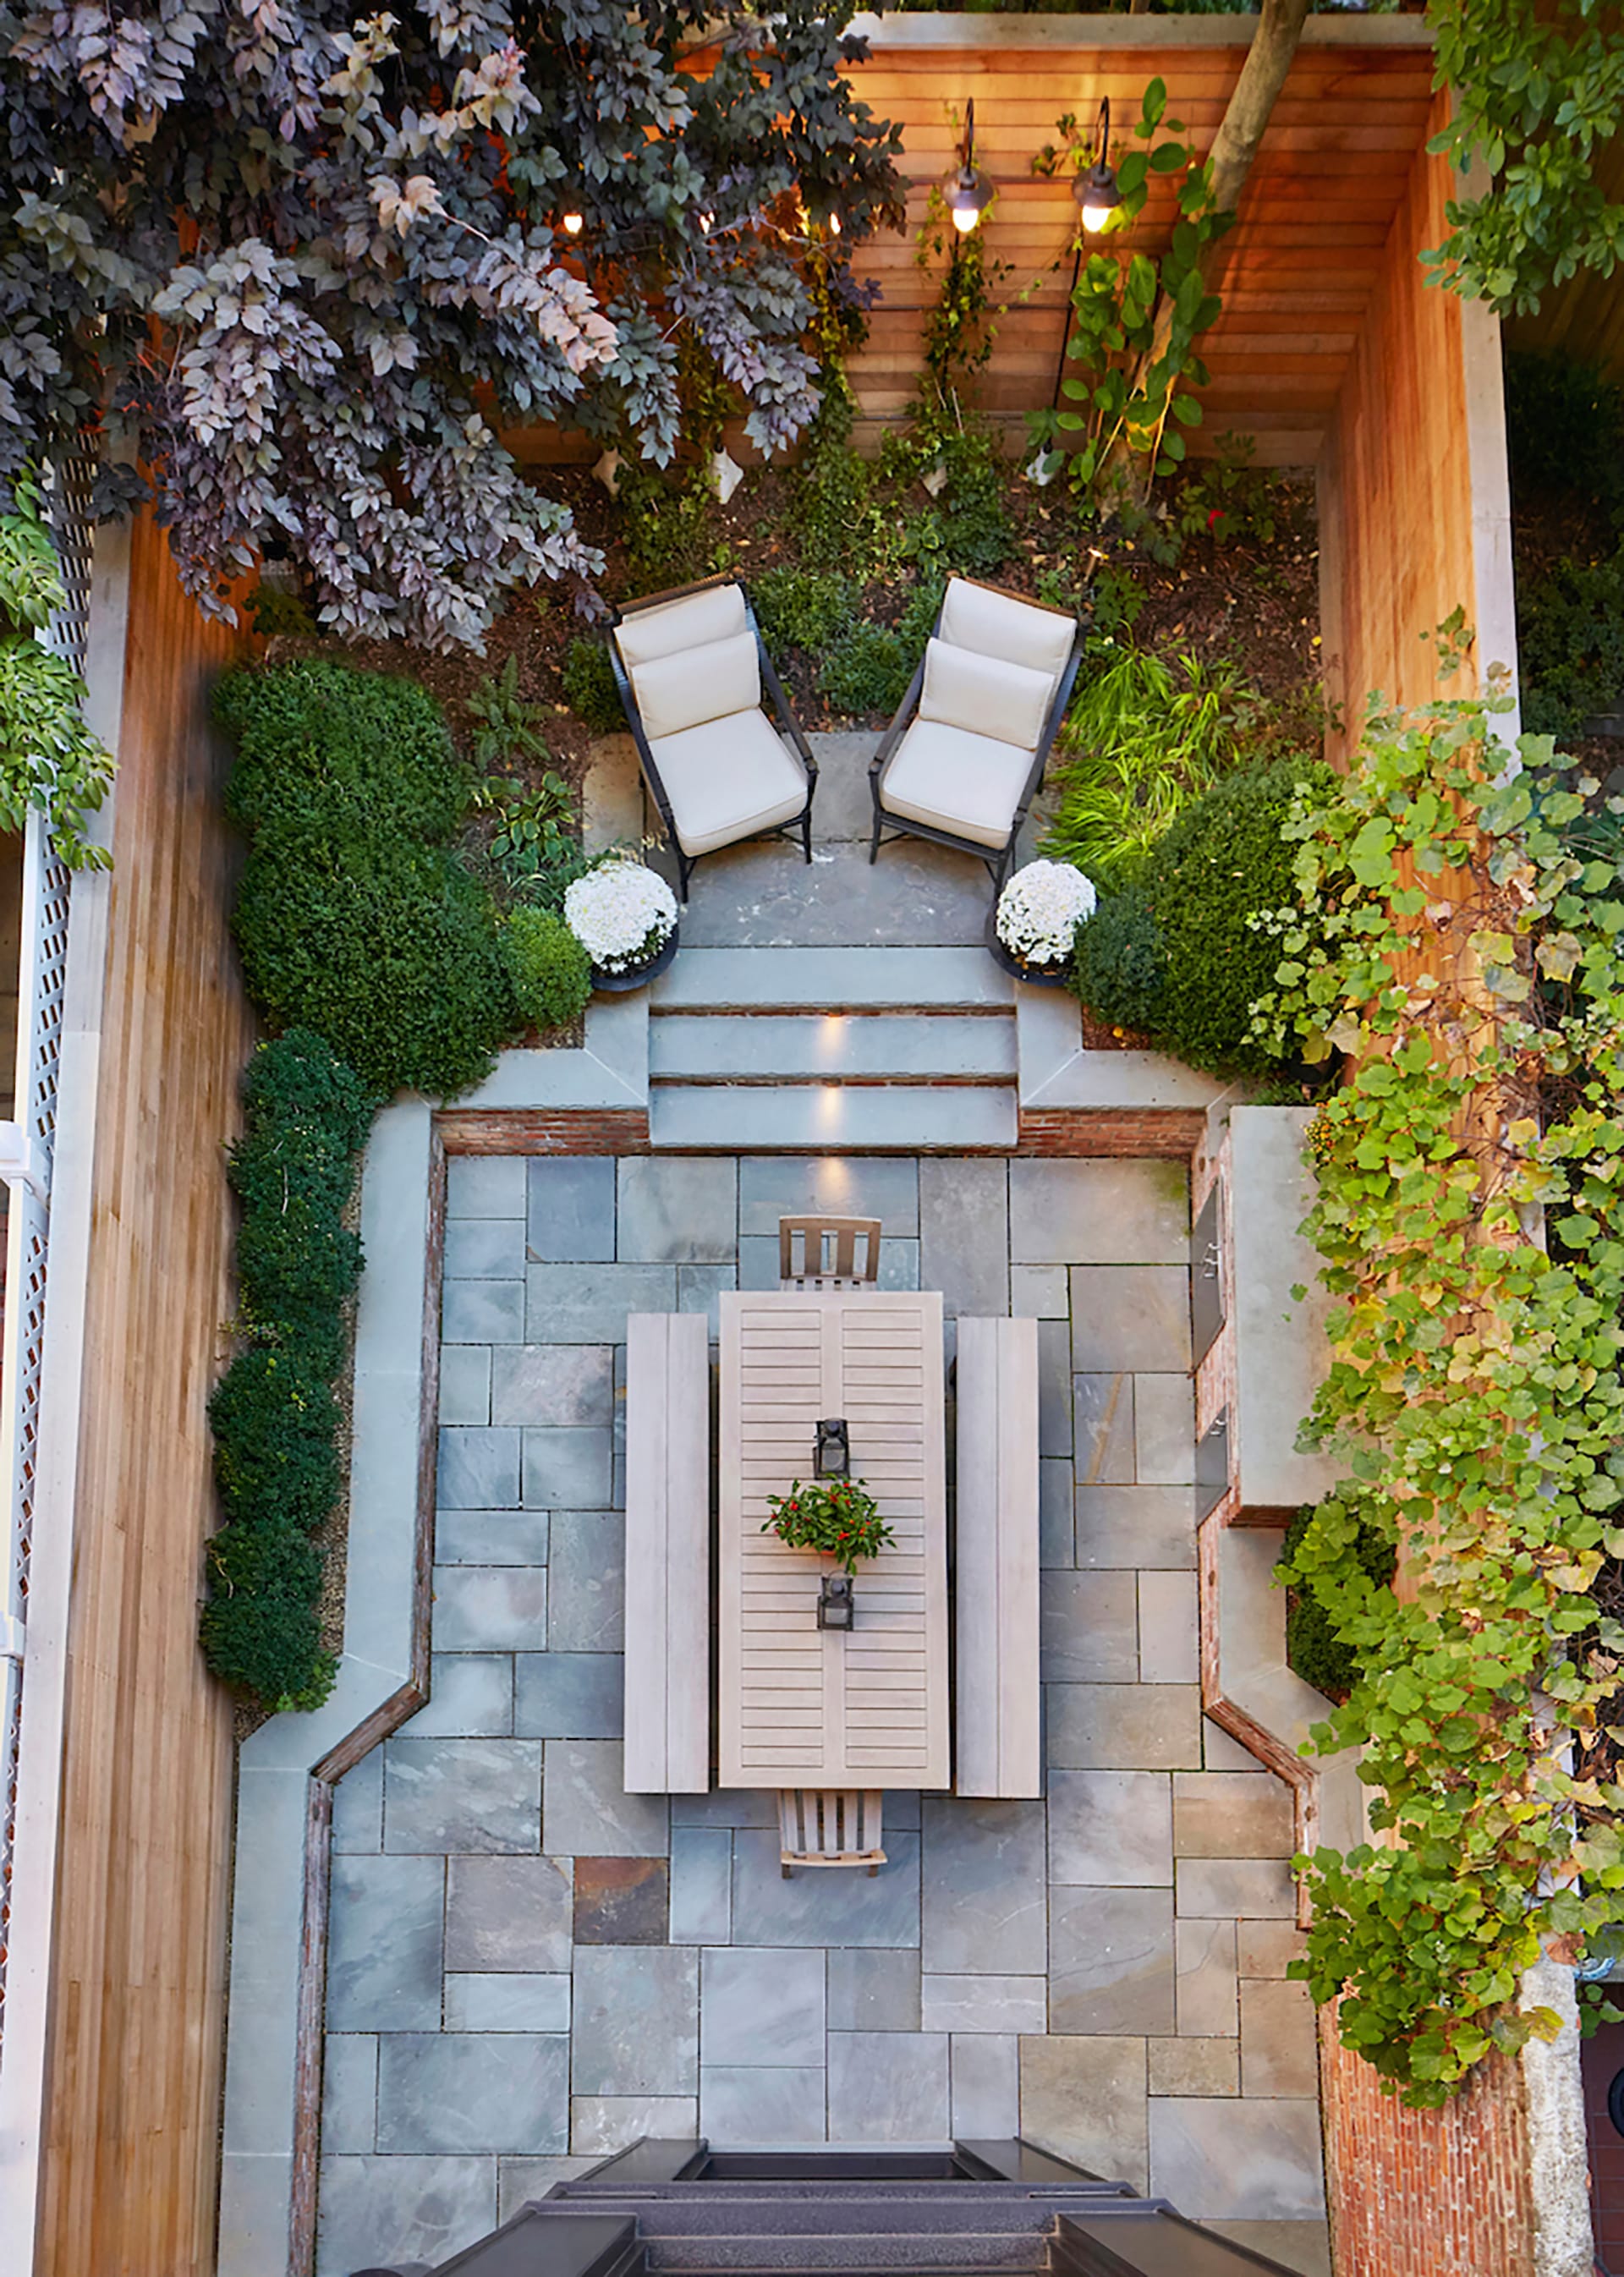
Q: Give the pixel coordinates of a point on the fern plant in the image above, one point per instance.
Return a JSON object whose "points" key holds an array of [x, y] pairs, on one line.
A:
{"points": [[1138, 745]]}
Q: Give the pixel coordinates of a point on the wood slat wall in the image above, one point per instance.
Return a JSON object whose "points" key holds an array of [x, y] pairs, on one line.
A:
{"points": [[140, 1935], [1300, 268], [1395, 490]]}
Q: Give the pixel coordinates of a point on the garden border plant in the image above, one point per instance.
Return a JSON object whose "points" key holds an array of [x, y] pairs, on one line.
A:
{"points": [[1451, 940], [275, 1411]]}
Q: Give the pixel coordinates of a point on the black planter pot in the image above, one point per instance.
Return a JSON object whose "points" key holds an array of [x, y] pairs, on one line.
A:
{"points": [[1037, 976], [621, 984]]}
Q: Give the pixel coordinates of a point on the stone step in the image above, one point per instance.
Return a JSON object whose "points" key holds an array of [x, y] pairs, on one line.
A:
{"points": [[831, 1118], [901, 1046], [965, 2253], [831, 980], [747, 2213]]}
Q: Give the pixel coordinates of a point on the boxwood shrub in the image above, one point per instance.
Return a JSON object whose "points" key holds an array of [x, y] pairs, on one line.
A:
{"points": [[275, 1412], [550, 971], [354, 917]]}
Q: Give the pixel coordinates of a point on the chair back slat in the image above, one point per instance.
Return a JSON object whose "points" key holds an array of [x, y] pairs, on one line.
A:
{"points": [[828, 1253]]}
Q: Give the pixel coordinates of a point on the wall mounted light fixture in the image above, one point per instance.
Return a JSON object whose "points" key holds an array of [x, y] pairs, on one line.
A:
{"points": [[1097, 191], [966, 190]]}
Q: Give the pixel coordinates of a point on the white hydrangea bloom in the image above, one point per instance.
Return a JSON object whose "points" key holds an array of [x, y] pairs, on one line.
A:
{"points": [[622, 913], [1040, 908]]}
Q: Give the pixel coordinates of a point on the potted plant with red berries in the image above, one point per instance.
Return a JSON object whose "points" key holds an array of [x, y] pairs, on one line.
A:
{"points": [[840, 1519]]}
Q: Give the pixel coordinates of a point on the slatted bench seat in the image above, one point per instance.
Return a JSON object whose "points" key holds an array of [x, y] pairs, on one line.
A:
{"points": [[668, 1554], [998, 1747]]}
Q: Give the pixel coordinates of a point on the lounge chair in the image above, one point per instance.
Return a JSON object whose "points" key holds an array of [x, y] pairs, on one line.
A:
{"points": [[963, 758], [692, 666]]}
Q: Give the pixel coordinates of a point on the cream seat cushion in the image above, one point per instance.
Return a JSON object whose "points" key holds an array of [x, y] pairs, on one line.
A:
{"points": [[728, 779], [996, 624], [674, 692], [985, 694], [670, 627], [951, 778]]}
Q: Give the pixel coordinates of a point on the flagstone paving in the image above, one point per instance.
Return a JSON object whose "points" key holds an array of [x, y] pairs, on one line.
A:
{"points": [[529, 1968]]}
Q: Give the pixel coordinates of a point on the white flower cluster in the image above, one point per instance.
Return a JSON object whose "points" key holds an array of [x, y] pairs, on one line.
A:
{"points": [[622, 914], [1040, 908]]}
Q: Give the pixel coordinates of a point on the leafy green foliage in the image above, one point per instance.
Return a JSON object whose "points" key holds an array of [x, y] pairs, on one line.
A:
{"points": [[530, 841], [260, 1630], [274, 1412], [837, 1516], [1114, 318], [1139, 742], [1119, 961], [1313, 1649], [665, 519], [353, 917], [589, 687], [1227, 497], [551, 974], [50, 761], [1475, 1390], [831, 510], [868, 671], [1539, 96], [278, 610], [506, 728], [1570, 640], [805, 609], [347, 232]]}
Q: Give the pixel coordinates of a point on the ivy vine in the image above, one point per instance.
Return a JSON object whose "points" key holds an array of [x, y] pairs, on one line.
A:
{"points": [[1456, 933]]}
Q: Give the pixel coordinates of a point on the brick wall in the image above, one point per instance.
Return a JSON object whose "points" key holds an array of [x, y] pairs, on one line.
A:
{"points": [[1442, 2193], [538, 1131]]}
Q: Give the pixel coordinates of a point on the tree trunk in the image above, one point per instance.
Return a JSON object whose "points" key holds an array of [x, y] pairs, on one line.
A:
{"points": [[1234, 147]]}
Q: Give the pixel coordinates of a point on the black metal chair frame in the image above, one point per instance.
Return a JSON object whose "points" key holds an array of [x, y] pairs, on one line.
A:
{"points": [[997, 859], [801, 823]]}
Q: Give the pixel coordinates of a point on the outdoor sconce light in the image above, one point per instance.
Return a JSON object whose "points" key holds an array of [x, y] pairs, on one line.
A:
{"points": [[836, 1605], [832, 1459], [1096, 191], [967, 191], [572, 222]]}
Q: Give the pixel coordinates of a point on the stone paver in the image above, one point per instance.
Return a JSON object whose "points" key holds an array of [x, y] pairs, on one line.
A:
{"points": [[506, 1915], [462, 1795], [762, 2006], [983, 1888], [571, 1209], [588, 1810], [586, 1581], [887, 2087], [453, 2091], [636, 2021], [529, 1968], [568, 1696]]}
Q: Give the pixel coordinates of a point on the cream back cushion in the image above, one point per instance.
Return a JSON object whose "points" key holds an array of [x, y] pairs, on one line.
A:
{"points": [[996, 624], [984, 695], [674, 692], [670, 627]]}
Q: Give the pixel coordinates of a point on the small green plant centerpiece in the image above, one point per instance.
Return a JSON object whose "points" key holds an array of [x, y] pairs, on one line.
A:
{"points": [[839, 1519]]}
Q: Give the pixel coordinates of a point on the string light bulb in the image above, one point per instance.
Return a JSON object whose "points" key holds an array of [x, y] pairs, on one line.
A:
{"points": [[1097, 192], [966, 191]]}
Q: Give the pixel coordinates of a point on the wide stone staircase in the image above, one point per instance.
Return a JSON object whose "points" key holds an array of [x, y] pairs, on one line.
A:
{"points": [[979, 2210], [833, 1048]]}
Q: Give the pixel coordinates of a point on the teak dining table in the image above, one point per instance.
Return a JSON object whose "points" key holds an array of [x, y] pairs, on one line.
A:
{"points": [[801, 1706]]}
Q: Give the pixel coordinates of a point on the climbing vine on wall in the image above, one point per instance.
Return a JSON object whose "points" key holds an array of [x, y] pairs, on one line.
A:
{"points": [[1457, 936]]}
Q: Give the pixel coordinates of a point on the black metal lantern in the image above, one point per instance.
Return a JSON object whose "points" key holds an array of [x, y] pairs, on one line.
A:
{"points": [[836, 1603], [966, 191], [832, 1454], [1097, 192]]}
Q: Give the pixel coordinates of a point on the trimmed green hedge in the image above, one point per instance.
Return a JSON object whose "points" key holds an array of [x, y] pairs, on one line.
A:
{"points": [[354, 917], [275, 1411], [1222, 863], [550, 971]]}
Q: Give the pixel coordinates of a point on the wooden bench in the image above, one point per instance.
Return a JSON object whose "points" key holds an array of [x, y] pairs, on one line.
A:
{"points": [[998, 1718], [668, 1554]]}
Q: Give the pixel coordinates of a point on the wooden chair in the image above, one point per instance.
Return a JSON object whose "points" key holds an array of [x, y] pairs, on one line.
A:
{"points": [[826, 1251], [695, 680], [829, 1826], [999, 1749], [963, 758], [668, 1669]]}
